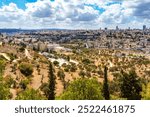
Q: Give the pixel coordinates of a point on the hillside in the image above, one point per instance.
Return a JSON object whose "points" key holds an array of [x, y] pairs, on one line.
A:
{"points": [[68, 66]]}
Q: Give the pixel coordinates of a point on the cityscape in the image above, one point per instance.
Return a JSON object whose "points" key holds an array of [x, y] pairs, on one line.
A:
{"points": [[74, 50]]}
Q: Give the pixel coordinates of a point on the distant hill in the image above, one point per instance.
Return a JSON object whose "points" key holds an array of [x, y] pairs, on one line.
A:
{"points": [[11, 31]]}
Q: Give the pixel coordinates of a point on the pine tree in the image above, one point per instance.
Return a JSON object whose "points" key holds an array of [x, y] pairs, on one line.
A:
{"points": [[105, 85], [52, 83]]}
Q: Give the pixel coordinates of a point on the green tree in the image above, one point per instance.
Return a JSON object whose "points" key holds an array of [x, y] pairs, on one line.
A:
{"points": [[61, 74], [105, 85], [130, 86], [45, 88], [68, 58], [83, 89], [146, 92], [82, 73], [52, 83], [23, 84], [26, 69], [30, 94]]}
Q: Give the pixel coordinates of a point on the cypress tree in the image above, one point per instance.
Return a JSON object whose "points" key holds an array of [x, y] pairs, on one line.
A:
{"points": [[52, 83], [105, 85]]}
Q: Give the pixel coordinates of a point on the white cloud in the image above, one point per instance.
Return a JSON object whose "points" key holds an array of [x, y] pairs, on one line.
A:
{"points": [[75, 14]]}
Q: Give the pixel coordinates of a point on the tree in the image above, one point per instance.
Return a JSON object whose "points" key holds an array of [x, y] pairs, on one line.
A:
{"points": [[30, 94], [26, 69], [83, 89], [61, 74], [68, 58], [45, 88], [52, 83], [23, 84], [105, 85], [82, 73], [130, 86], [146, 92]]}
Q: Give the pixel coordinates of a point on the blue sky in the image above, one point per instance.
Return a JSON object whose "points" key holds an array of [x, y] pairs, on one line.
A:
{"points": [[74, 14], [19, 3]]}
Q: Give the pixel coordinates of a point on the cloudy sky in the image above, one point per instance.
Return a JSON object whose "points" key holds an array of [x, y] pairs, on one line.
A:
{"points": [[74, 14]]}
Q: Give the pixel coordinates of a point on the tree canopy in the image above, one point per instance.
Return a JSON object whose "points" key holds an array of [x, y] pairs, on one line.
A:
{"points": [[83, 89]]}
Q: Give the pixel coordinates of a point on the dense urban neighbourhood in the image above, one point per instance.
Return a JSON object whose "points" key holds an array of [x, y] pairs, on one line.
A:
{"points": [[75, 64]]}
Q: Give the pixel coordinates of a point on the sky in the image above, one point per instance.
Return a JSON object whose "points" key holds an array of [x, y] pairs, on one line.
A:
{"points": [[74, 14]]}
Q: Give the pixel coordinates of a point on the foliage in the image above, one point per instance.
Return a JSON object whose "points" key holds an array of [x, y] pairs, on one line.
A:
{"points": [[61, 74], [83, 89], [30, 94], [26, 69], [52, 83], [86, 61], [45, 88], [105, 85], [82, 73], [56, 63], [10, 81], [24, 83], [146, 92], [4, 90], [130, 86], [73, 68]]}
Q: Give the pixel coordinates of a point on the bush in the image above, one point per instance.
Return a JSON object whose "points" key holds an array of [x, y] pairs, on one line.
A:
{"points": [[10, 81], [82, 73], [83, 89], [30, 94], [24, 84], [73, 68], [61, 74], [44, 87], [56, 63], [26, 69], [86, 61], [4, 90]]}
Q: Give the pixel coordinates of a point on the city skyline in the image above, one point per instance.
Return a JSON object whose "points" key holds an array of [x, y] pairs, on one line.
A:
{"points": [[74, 14]]}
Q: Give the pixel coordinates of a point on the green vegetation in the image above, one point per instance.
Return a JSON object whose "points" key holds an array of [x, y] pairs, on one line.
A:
{"points": [[26, 69], [4, 89], [52, 83], [30, 94], [61, 74], [45, 88], [105, 85], [130, 86], [83, 89], [23, 84], [146, 92]]}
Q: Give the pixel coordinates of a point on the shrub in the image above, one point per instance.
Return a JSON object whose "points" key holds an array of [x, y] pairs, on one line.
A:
{"points": [[26, 69], [61, 74], [56, 63], [44, 87], [30, 94], [24, 83]]}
